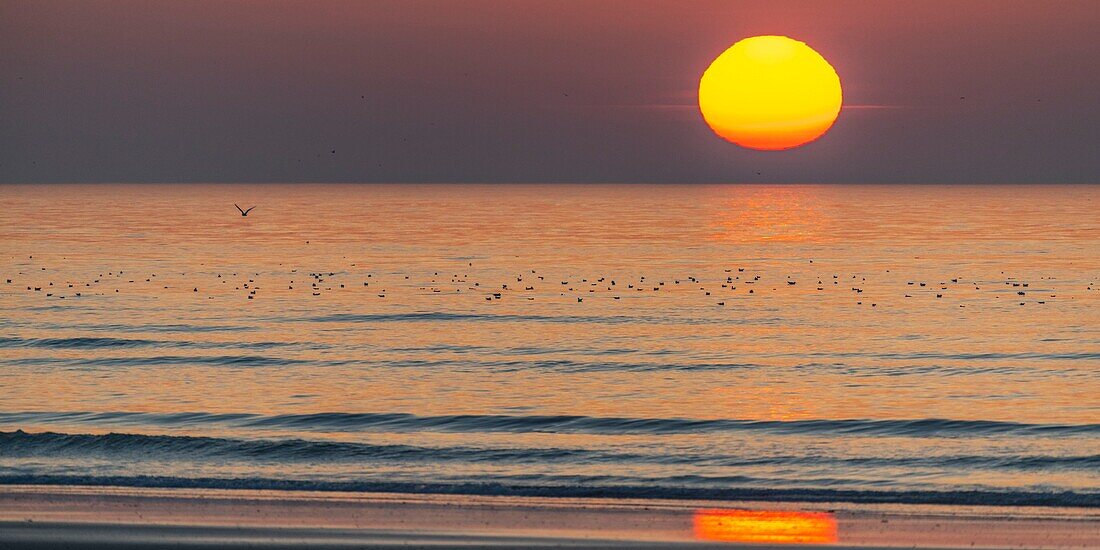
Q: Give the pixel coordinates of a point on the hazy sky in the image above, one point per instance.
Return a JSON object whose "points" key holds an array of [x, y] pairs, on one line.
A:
{"points": [[533, 90]]}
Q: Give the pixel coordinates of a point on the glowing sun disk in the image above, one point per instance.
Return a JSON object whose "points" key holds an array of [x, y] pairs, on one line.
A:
{"points": [[770, 93]]}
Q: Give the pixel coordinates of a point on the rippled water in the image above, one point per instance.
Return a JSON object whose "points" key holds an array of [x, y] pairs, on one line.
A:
{"points": [[924, 344]]}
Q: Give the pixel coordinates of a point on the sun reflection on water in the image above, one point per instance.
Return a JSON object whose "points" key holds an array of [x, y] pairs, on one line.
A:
{"points": [[765, 526]]}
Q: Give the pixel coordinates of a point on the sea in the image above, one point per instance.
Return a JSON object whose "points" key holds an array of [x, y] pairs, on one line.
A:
{"points": [[860, 343]]}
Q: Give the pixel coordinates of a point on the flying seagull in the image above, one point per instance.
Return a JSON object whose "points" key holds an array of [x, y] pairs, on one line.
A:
{"points": [[243, 212]]}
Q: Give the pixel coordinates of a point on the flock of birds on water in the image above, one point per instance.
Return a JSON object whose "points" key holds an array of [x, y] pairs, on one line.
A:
{"points": [[734, 282]]}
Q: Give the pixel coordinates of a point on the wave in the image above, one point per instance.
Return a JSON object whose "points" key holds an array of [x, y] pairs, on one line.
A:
{"points": [[20, 444], [91, 342], [404, 422], [925, 355], [557, 365], [483, 361], [613, 425], [76, 343], [160, 360], [120, 328], [579, 489]]}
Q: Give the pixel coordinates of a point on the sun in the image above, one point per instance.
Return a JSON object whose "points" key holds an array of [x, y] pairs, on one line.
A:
{"points": [[770, 93]]}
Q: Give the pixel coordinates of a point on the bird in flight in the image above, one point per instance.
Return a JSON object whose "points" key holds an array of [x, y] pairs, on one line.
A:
{"points": [[243, 212]]}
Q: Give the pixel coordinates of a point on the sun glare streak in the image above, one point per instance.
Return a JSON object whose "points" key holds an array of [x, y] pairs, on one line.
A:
{"points": [[765, 526]]}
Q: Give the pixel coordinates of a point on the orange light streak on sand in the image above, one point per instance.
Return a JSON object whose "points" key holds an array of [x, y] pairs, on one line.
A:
{"points": [[765, 526]]}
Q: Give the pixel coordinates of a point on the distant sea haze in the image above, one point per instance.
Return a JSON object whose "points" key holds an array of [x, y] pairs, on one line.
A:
{"points": [[926, 344]]}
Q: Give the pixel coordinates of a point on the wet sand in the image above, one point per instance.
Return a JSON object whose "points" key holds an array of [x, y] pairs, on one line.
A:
{"points": [[97, 517]]}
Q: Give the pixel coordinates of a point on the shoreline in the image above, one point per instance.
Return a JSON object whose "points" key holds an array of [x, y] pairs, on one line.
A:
{"points": [[42, 516], [1061, 499]]}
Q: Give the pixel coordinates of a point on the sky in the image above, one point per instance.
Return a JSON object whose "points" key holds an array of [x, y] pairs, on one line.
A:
{"points": [[534, 91]]}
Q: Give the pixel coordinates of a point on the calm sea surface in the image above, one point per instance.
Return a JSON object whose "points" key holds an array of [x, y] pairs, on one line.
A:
{"points": [[921, 344]]}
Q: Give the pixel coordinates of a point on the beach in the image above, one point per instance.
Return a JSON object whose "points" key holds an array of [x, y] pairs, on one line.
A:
{"points": [[106, 517]]}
